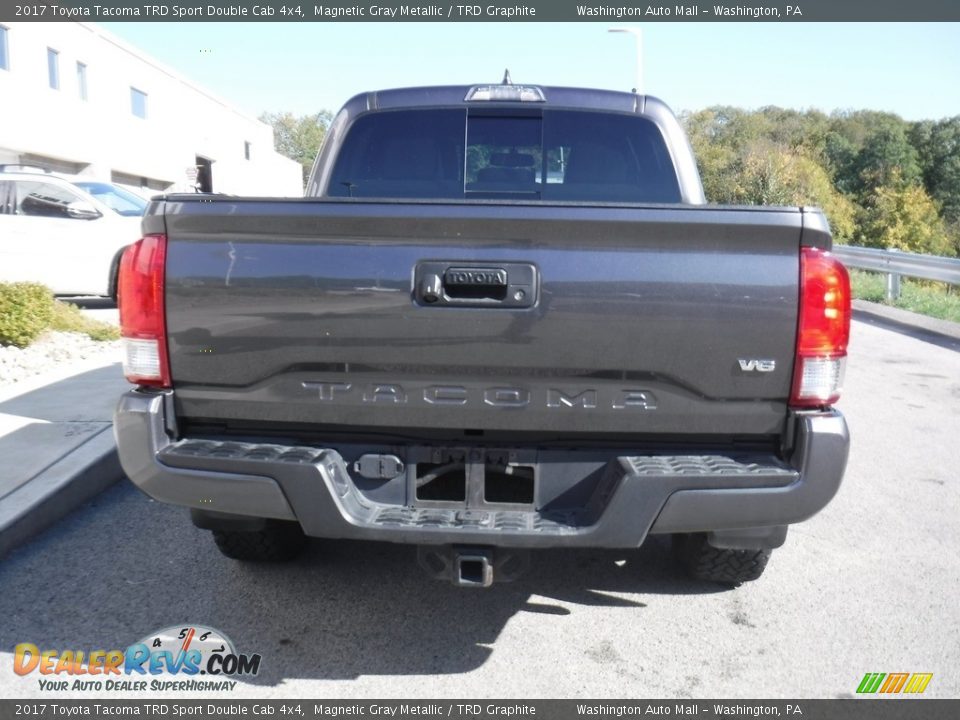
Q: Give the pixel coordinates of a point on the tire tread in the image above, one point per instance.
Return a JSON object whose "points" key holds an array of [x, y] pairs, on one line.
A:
{"points": [[276, 542], [720, 565]]}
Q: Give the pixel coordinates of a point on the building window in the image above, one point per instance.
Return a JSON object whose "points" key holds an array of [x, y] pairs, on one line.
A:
{"points": [[4, 55], [246, 149], [53, 68], [138, 103], [82, 80]]}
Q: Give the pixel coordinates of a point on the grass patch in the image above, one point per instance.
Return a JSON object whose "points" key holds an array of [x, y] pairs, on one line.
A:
{"points": [[920, 296], [68, 318]]}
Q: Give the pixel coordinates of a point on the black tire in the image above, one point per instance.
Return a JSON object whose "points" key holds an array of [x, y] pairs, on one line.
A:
{"points": [[113, 279], [727, 567], [277, 542]]}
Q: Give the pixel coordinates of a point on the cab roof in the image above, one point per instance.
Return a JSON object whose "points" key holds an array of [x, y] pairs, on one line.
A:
{"points": [[554, 97]]}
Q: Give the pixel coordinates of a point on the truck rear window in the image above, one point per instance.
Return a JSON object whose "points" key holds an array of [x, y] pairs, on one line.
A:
{"points": [[548, 155]]}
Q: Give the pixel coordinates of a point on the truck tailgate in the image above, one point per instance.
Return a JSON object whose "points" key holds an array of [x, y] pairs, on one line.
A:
{"points": [[651, 320]]}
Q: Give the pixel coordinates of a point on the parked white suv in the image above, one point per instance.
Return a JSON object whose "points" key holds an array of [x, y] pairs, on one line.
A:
{"points": [[64, 231]]}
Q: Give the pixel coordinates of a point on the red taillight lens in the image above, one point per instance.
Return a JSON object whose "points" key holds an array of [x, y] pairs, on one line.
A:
{"points": [[143, 323], [823, 329]]}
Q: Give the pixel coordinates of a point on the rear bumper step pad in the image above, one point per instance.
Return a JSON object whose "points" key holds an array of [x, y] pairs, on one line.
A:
{"points": [[635, 495]]}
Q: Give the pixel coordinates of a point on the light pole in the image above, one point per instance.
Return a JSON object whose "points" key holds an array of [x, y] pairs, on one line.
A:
{"points": [[638, 37]]}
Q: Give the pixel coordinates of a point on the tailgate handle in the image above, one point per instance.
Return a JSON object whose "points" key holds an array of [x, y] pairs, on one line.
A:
{"points": [[496, 285], [475, 283]]}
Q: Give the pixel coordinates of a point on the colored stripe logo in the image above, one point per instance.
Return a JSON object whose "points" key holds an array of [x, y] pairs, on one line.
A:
{"points": [[893, 683]]}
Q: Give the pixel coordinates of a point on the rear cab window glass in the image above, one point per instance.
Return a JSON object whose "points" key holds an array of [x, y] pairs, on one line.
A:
{"points": [[555, 155], [605, 157], [402, 154], [503, 154]]}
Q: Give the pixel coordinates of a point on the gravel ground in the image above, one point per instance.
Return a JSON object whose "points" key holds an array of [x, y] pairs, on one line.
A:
{"points": [[52, 350]]}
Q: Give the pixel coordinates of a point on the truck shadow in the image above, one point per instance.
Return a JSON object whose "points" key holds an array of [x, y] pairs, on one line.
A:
{"points": [[123, 566]]}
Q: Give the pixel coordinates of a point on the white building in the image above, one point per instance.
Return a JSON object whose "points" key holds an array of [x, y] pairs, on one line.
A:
{"points": [[77, 99]]}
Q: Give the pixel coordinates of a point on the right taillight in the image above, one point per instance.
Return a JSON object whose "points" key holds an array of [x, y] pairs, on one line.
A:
{"points": [[143, 325], [823, 329]]}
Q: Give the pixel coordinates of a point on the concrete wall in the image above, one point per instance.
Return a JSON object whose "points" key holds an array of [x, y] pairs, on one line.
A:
{"points": [[101, 136]]}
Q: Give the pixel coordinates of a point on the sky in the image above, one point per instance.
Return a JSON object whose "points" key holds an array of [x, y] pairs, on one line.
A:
{"points": [[912, 69]]}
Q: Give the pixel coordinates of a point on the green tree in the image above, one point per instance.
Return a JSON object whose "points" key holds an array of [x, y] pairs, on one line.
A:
{"points": [[938, 148], [772, 177], [887, 158], [769, 157], [840, 153], [715, 153], [863, 149], [881, 180], [904, 217], [803, 131], [298, 137]]}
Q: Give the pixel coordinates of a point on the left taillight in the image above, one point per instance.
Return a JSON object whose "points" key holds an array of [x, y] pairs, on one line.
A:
{"points": [[143, 324]]}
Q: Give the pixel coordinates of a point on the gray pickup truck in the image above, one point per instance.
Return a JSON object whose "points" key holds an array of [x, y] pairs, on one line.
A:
{"points": [[503, 318]]}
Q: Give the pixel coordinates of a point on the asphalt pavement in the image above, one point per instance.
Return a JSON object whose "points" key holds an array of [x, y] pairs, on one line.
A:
{"points": [[56, 444], [868, 585]]}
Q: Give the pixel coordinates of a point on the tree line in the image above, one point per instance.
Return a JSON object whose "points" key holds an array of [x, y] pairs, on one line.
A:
{"points": [[882, 181], [298, 137]]}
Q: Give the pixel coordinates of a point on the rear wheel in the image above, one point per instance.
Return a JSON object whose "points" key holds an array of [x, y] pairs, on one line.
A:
{"points": [[720, 565], [113, 278], [277, 541]]}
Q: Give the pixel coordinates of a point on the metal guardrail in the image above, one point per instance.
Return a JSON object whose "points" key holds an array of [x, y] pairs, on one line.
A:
{"points": [[896, 263]]}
